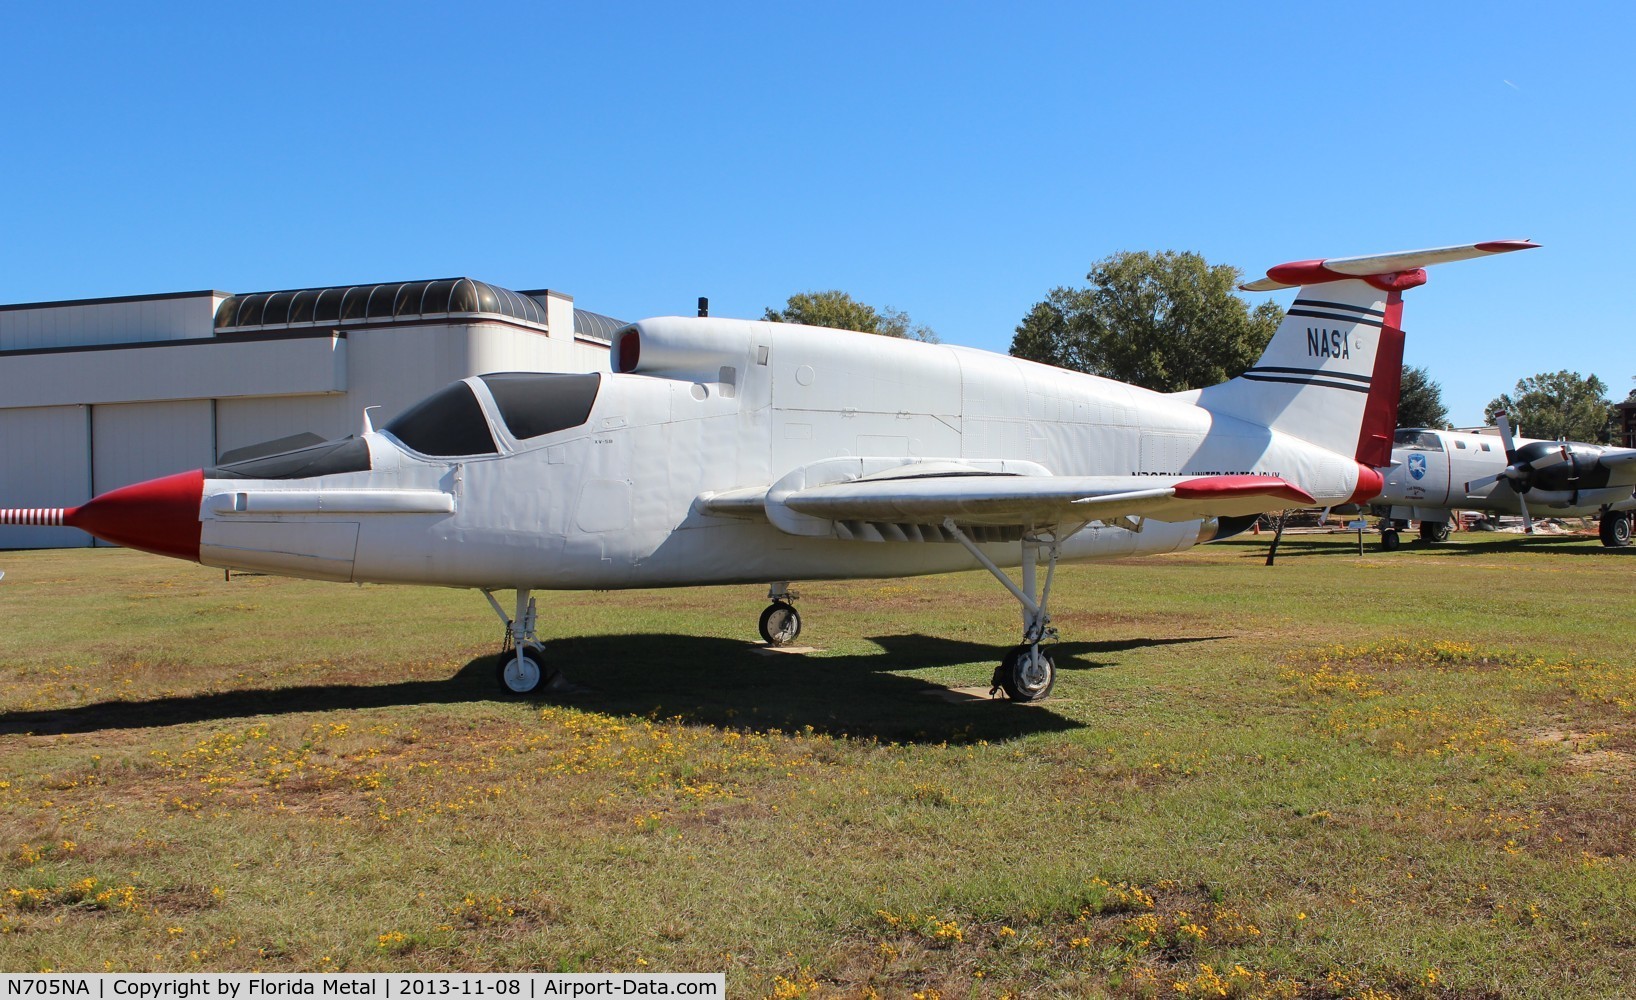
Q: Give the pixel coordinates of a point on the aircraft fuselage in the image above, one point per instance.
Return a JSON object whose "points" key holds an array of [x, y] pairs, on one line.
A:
{"points": [[615, 500]]}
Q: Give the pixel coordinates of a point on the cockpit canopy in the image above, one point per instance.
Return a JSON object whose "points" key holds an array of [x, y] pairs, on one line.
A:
{"points": [[450, 423], [532, 404]]}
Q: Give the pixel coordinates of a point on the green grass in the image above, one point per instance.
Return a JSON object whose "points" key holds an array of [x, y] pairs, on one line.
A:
{"points": [[1403, 774]]}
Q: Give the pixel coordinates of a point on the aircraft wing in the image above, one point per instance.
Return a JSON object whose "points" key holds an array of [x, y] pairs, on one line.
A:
{"points": [[1036, 501], [1618, 458]]}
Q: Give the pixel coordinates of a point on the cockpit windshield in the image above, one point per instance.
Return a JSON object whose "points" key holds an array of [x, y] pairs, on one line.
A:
{"points": [[536, 403], [446, 424], [1417, 440]]}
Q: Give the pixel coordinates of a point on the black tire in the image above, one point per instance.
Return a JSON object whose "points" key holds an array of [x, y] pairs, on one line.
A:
{"points": [[1021, 683], [1615, 529], [1433, 532], [780, 623], [522, 677], [1389, 540]]}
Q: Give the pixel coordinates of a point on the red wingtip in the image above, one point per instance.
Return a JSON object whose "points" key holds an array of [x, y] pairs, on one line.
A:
{"points": [[1224, 487], [1506, 246], [159, 516]]}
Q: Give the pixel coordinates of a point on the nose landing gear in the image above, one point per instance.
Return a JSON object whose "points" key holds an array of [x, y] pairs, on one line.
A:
{"points": [[523, 669]]}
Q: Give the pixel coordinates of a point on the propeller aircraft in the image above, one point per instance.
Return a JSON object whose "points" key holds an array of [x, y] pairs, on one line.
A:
{"points": [[1433, 473], [727, 451]]}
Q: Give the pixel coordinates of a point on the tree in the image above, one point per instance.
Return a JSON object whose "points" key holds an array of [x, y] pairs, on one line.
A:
{"points": [[1556, 406], [1167, 321], [840, 311], [1420, 402]]}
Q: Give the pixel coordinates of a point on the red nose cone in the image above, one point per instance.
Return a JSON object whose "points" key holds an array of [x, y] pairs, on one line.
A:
{"points": [[160, 515]]}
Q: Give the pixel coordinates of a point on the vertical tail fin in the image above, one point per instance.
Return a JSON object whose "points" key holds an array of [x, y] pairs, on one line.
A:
{"points": [[1332, 372]]}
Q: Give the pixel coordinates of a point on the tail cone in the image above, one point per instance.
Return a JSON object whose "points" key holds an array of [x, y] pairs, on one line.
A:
{"points": [[159, 516]]}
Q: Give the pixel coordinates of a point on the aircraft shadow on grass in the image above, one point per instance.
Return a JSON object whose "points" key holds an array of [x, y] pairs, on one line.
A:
{"points": [[702, 680]]}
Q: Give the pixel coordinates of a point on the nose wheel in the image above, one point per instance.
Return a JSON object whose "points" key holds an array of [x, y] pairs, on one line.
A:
{"points": [[780, 623], [523, 670]]}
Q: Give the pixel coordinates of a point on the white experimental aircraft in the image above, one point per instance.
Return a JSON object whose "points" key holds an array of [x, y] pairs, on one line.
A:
{"points": [[726, 451], [1433, 473]]}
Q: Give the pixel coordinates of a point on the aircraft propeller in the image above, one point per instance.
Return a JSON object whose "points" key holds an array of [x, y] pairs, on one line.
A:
{"points": [[1518, 475]]}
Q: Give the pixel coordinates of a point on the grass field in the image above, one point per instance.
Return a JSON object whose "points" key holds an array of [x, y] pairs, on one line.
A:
{"points": [[1395, 775]]}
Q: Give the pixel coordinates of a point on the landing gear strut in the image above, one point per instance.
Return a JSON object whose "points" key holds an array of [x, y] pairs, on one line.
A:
{"points": [[1027, 673], [523, 669], [780, 623]]}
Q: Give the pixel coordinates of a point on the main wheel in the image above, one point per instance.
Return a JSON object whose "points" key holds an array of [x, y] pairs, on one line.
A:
{"points": [[780, 623], [1615, 529], [1026, 674], [524, 674], [1434, 531], [1389, 540]]}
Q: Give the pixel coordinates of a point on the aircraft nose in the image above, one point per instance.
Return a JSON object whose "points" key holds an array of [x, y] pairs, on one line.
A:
{"points": [[159, 516]]}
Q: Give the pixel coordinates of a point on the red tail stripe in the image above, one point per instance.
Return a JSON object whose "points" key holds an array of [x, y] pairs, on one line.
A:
{"points": [[1374, 446]]}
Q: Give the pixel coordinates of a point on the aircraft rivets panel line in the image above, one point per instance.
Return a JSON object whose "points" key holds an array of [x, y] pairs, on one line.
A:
{"points": [[39, 517]]}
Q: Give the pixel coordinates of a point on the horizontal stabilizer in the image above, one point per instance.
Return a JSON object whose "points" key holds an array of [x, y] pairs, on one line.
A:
{"points": [[1317, 272]]}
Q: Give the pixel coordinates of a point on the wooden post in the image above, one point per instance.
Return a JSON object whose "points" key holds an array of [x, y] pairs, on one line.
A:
{"points": [[1277, 535]]}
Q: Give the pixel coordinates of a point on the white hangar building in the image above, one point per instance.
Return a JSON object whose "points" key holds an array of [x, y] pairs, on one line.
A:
{"points": [[99, 393]]}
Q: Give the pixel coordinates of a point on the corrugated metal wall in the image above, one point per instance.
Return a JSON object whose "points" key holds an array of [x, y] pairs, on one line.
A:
{"points": [[131, 442], [70, 325]]}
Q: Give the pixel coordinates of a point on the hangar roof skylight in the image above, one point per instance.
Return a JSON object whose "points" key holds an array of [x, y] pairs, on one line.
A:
{"points": [[384, 303]]}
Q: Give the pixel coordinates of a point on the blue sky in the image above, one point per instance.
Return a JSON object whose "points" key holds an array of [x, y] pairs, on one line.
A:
{"points": [[955, 161]]}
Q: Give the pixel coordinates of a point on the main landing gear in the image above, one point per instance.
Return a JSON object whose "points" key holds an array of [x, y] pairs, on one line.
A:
{"points": [[1027, 673], [1615, 528], [1389, 528], [1432, 532], [780, 623], [523, 669]]}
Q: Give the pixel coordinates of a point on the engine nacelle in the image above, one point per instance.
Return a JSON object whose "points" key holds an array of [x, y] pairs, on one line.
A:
{"points": [[676, 347]]}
